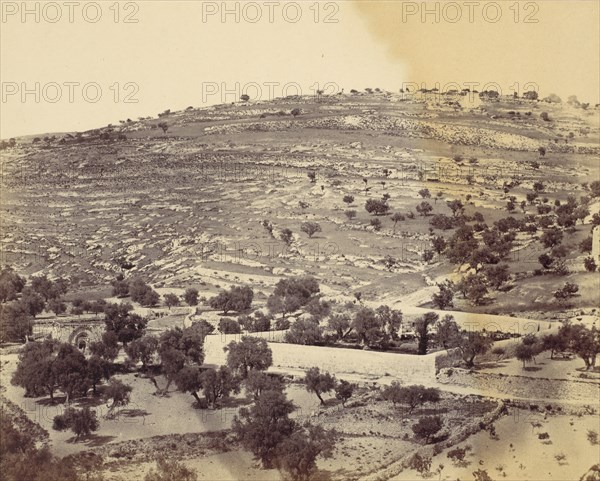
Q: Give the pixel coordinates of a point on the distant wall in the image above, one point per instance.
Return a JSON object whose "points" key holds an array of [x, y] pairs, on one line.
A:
{"points": [[523, 386], [337, 361]]}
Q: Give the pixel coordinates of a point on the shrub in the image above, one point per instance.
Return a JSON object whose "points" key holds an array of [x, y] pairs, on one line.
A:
{"points": [[427, 427], [229, 326], [421, 464]]}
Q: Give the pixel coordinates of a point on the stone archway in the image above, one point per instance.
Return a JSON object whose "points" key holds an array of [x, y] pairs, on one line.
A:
{"points": [[80, 338]]}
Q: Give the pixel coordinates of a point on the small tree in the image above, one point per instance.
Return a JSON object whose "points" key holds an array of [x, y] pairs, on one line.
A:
{"points": [[164, 126], [167, 470], [237, 299], [264, 426], [427, 427], [524, 353], [191, 296], [421, 464], [350, 214], [117, 392], [590, 264], [217, 384], [422, 329], [81, 421], [397, 217], [348, 199], [171, 300], [319, 383], [310, 228], [424, 208], [297, 454], [250, 353], [258, 382], [444, 298], [425, 194], [229, 326], [344, 391], [287, 236], [376, 207]]}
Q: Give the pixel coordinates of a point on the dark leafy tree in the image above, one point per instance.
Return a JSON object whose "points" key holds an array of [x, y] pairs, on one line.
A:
{"points": [[319, 383], [344, 391], [262, 428], [33, 302], [348, 199], [377, 207], [218, 384], [82, 422], [124, 323], [118, 393], [427, 427], [258, 382], [291, 294], [287, 236], [120, 287], [10, 284], [424, 208], [191, 296], [310, 228], [237, 299], [422, 329], [551, 237], [305, 331], [143, 349], [16, 322], [70, 371], [229, 326], [445, 297], [248, 354], [35, 370], [107, 347], [297, 454], [171, 300]]}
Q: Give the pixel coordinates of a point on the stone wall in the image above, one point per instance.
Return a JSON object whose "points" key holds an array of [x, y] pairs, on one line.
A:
{"points": [[404, 367], [523, 386]]}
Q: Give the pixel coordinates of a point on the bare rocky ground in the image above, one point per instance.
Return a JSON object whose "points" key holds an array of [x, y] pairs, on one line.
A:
{"points": [[185, 210]]}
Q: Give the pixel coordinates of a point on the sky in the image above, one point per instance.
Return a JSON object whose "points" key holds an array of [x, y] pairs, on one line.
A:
{"points": [[80, 65]]}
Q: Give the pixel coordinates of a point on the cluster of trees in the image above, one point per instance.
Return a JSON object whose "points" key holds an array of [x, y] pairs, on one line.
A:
{"points": [[374, 328], [136, 289], [267, 431], [320, 383], [21, 459], [50, 366], [21, 302], [238, 299], [143, 294], [410, 396], [570, 338]]}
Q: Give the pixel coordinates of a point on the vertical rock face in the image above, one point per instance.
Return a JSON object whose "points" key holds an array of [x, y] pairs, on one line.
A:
{"points": [[596, 243]]}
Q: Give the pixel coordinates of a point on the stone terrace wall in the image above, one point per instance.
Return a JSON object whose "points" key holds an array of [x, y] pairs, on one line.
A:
{"points": [[523, 386]]}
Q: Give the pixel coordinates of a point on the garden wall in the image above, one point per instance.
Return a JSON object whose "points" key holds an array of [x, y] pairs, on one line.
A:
{"points": [[405, 367]]}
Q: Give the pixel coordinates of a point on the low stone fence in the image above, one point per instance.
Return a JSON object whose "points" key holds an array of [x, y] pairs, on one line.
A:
{"points": [[523, 386]]}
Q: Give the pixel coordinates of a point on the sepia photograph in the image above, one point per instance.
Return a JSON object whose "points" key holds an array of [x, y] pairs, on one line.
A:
{"points": [[312, 240]]}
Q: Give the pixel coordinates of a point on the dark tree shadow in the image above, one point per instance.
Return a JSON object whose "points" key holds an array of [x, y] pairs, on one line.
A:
{"points": [[532, 368]]}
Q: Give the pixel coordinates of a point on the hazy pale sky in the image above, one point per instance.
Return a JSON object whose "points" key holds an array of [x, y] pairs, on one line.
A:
{"points": [[70, 68]]}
